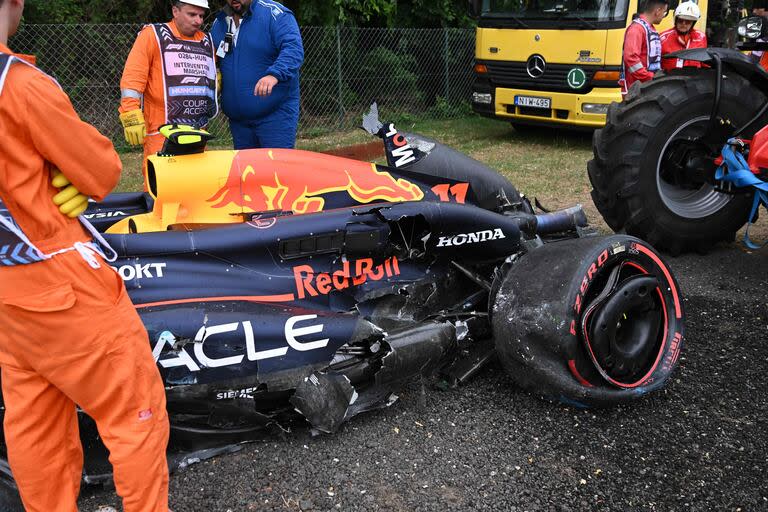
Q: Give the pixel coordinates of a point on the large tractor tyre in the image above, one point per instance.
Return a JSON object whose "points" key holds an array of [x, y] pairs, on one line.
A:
{"points": [[652, 174], [590, 322]]}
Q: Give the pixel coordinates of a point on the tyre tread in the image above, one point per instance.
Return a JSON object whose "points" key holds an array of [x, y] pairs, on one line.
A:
{"points": [[614, 171]]}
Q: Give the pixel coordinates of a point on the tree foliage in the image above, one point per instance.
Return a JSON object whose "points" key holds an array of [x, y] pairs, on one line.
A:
{"points": [[386, 13], [88, 11], [361, 13]]}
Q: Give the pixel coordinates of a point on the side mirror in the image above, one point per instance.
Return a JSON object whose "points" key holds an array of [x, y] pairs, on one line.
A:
{"points": [[475, 7], [750, 28]]}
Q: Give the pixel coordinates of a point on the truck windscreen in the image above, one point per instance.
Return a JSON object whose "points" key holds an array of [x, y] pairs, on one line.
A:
{"points": [[554, 13]]}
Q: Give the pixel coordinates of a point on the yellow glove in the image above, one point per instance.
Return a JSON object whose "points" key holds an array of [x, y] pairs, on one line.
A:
{"points": [[69, 200], [134, 126]]}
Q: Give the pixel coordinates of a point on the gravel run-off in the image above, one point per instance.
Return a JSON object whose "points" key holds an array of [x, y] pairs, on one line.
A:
{"points": [[700, 444]]}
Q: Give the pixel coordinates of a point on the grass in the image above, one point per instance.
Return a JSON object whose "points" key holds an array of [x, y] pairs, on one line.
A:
{"points": [[547, 164]]}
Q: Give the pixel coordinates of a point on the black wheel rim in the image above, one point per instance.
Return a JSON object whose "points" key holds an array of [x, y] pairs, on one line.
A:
{"points": [[625, 324]]}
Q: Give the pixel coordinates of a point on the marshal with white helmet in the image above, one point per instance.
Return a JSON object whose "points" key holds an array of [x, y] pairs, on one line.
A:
{"points": [[198, 3], [688, 11], [683, 162], [682, 36]]}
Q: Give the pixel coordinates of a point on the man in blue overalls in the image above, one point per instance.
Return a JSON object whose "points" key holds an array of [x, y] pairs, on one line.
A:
{"points": [[260, 52]]}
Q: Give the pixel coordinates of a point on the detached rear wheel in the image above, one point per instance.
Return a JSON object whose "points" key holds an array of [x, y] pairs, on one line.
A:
{"points": [[592, 322], [653, 174]]}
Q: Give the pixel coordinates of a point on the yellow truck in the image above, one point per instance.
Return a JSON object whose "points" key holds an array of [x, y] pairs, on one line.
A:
{"points": [[552, 62]]}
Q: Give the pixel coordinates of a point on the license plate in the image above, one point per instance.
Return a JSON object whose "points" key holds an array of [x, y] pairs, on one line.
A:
{"points": [[533, 101]]}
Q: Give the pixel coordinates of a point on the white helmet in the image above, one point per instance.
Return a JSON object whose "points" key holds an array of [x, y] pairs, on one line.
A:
{"points": [[198, 3], [688, 11]]}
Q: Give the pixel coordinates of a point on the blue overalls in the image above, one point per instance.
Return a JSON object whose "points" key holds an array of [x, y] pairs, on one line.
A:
{"points": [[267, 42]]}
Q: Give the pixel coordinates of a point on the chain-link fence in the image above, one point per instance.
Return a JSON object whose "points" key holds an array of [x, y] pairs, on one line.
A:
{"points": [[423, 73]]}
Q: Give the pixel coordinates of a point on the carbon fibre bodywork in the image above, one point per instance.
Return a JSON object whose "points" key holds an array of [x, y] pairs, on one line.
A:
{"points": [[326, 314]]}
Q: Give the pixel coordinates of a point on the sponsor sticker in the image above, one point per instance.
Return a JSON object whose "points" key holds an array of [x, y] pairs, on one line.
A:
{"points": [[104, 215], [140, 271], [486, 235], [302, 333], [310, 283], [236, 393]]}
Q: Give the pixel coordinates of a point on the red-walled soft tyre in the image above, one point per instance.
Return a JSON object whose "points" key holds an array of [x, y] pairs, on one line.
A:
{"points": [[594, 321]]}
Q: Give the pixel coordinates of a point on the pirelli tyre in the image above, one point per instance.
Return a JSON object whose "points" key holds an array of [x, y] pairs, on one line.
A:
{"points": [[591, 322], [652, 174]]}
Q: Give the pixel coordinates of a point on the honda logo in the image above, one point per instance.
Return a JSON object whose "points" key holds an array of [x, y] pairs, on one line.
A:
{"points": [[535, 66]]}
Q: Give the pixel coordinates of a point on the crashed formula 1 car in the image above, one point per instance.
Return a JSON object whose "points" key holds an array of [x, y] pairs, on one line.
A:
{"points": [[274, 282]]}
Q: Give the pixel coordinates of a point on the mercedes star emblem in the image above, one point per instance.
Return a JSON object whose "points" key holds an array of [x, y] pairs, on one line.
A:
{"points": [[535, 66]]}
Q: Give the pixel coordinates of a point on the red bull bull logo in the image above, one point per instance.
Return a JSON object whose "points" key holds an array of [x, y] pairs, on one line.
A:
{"points": [[275, 179]]}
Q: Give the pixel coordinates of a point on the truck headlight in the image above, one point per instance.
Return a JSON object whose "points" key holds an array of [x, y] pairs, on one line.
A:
{"points": [[594, 108], [482, 97]]}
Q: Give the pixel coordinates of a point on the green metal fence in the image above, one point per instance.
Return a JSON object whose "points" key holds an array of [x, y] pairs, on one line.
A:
{"points": [[425, 73]]}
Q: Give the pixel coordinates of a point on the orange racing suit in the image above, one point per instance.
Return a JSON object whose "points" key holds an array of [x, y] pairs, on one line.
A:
{"points": [[143, 78], [70, 335]]}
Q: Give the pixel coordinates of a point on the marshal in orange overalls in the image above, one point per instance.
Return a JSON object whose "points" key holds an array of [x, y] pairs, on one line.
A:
{"points": [[70, 335], [143, 80]]}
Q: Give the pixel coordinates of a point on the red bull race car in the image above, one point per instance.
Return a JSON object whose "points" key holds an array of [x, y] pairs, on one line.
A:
{"points": [[281, 285]]}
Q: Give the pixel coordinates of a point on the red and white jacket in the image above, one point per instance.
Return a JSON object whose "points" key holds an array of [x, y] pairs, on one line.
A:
{"points": [[640, 55], [671, 41]]}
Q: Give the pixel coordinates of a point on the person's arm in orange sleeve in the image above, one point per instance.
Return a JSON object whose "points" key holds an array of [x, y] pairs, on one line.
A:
{"points": [[77, 149], [133, 84], [136, 71], [634, 57]]}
